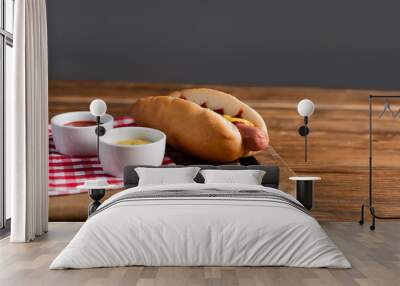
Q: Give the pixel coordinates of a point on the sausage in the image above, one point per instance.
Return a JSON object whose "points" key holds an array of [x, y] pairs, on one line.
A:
{"points": [[252, 137]]}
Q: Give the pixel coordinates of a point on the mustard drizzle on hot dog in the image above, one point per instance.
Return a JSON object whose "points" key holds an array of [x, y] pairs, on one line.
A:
{"points": [[238, 120], [234, 119]]}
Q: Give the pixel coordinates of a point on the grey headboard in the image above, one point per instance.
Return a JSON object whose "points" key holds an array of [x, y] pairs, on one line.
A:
{"points": [[271, 177]]}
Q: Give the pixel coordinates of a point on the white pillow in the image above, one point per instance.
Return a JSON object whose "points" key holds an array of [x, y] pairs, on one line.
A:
{"points": [[163, 176], [248, 177]]}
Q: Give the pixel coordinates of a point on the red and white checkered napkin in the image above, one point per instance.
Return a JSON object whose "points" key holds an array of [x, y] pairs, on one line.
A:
{"points": [[66, 172]]}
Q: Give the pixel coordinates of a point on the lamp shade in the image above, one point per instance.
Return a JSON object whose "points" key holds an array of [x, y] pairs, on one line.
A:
{"points": [[305, 107], [98, 107]]}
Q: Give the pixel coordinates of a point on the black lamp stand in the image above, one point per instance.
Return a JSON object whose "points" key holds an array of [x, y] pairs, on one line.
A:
{"points": [[304, 131], [100, 131]]}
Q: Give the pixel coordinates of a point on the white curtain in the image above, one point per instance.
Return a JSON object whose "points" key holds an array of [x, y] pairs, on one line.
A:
{"points": [[26, 123]]}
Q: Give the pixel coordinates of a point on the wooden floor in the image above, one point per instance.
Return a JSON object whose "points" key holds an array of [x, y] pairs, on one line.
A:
{"points": [[338, 142], [375, 257]]}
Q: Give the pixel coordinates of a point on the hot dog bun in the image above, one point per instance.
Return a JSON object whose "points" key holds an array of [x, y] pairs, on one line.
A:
{"points": [[192, 124]]}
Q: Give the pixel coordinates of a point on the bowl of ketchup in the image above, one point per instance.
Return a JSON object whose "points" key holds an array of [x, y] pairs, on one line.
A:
{"points": [[74, 132]]}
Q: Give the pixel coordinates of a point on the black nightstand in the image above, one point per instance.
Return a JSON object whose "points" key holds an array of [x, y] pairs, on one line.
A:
{"points": [[304, 189], [96, 191], [96, 195]]}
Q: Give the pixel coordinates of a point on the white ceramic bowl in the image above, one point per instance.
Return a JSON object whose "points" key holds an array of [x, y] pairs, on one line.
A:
{"points": [[115, 157], [77, 141]]}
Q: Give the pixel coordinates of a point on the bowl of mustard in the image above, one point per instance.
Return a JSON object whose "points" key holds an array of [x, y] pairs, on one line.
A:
{"points": [[124, 146]]}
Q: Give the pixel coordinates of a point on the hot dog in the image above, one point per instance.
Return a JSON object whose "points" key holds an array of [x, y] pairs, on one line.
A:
{"points": [[209, 124], [252, 137]]}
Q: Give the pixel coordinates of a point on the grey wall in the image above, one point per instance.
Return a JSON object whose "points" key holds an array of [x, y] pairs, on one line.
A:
{"points": [[337, 43]]}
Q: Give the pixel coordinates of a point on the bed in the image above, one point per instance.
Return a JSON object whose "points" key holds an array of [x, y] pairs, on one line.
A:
{"points": [[198, 224], [74, 207]]}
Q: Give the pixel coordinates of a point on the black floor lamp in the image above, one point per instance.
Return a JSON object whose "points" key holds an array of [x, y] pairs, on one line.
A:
{"points": [[305, 108], [96, 192]]}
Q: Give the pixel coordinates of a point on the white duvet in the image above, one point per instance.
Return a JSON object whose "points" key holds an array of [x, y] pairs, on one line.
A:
{"points": [[200, 231]]}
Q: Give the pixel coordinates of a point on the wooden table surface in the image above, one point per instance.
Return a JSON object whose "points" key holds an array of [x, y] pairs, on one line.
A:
{"points": [[338, 143]]}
